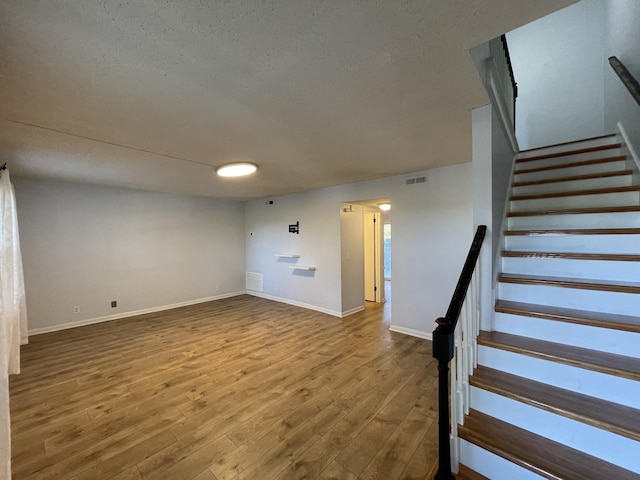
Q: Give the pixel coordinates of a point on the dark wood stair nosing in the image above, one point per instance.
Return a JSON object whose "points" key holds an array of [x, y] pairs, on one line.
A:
{"points": [[572, 231], [608, 257], [567, 315], [593, 411], [583, 163], [565, 153], [575, 283], [576, 211], [533, 452], [575, 193], [573, 178], [465, 473], [578, 357]]}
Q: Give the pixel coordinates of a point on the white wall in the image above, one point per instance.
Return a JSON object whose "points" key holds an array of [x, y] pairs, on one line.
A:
{"points": [[623, 41], [318, 244], [432, 232], [558, 63], [432, 229], [352, 257], [492, 169], [502, 158], [87, 245]]}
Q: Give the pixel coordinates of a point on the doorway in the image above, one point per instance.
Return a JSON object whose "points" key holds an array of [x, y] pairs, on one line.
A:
{"points": [[363, 255], [373, 257]]}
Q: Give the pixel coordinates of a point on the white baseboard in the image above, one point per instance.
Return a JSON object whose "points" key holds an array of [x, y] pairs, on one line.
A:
{"points": [[412, 332], [91, 321], [295, 303], [346, 313]]}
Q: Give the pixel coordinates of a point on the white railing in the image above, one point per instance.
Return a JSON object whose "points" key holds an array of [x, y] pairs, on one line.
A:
{"points": [[464, 361], [455, 347], [499, 55], [501, 86]]}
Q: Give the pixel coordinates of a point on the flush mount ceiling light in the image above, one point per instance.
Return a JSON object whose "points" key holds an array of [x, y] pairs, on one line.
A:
{"points": [[236, 169], [384, 206]]}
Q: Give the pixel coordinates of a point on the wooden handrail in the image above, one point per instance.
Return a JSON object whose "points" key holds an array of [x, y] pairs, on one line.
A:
{"points": [[453, 312], [627, 79], [443, 351], [514, 85]]}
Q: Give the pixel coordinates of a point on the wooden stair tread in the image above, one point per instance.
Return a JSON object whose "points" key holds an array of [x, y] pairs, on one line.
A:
{"points": [[576, 193], [611, 257], [582, 163], [613, 173], [608, 135], [594, 319], [609, 363], [597, 148], [565, 282], [575, 231], [609, 416], [465, 473], [540, 455], [568, 211]]}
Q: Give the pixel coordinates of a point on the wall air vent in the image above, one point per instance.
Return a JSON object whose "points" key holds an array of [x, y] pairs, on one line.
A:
{"points": [[414, 180], [254, 281]]}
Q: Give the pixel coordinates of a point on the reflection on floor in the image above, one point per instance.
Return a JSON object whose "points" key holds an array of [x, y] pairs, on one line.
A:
{"points": [[386, 317], [384, 307]]}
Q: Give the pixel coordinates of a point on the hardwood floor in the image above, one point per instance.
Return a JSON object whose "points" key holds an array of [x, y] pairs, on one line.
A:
{"points": [[241, 388]]}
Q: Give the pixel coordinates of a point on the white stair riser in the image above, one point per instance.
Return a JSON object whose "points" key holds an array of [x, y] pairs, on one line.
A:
{"points": [[593, 441], [570, 171], [607, 340], [616, 199], [575, 243], [573, 185], [576, 157], [573, 146], [581, 220], [491, 465], [608, 387], [586, 438], [562, 267], [578, 299]]}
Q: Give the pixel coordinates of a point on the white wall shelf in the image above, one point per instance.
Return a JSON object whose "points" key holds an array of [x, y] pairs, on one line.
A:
{"points": [[287, 255], [302, 267]]}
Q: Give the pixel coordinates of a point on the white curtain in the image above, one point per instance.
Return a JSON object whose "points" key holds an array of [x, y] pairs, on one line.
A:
{"points": [[13, 312]]}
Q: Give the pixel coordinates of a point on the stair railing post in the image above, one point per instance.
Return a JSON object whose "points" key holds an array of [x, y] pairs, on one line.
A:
{"points": [[443, 345], [444, 348]]}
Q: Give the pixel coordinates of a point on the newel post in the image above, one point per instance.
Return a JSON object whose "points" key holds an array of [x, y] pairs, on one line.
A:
{"points": [[443, 345]]}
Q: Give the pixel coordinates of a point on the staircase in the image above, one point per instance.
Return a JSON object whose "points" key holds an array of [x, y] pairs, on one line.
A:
{"points": [[556, 393]]}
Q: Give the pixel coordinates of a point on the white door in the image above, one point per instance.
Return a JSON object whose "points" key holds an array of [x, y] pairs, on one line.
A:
{"points": [[373, 260]]}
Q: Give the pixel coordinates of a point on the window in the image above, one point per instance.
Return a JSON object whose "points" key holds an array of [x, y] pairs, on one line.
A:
{"points": [[387, 251]]}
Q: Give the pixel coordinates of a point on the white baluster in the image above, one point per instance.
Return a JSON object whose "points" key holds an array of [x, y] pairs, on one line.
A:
{"points": [[454, 446], [468, 306], [459, 376], [476, 318], [453, 369], [464, 321]]}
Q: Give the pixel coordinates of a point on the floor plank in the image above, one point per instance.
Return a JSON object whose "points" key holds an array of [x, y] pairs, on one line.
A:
{"points": [[240, 388]]}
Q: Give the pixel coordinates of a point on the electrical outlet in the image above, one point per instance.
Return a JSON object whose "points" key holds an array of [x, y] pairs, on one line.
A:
{"points": [[76, 309], [114, 303], [218, 287]]}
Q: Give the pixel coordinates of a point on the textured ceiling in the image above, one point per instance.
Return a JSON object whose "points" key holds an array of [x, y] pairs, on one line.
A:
{"points": [[151, 95]]}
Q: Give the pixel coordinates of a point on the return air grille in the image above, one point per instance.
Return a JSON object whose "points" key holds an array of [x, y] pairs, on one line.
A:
{"points": [[414, 180], [254, 281]]}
